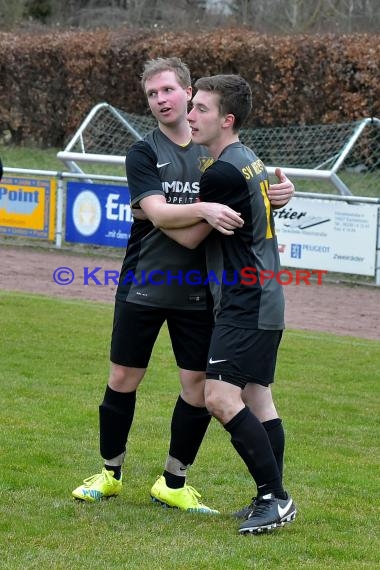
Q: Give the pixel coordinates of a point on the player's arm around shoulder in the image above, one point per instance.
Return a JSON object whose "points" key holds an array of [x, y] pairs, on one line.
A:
{"points": [[164, 215], [279, 194], [173, 216]]}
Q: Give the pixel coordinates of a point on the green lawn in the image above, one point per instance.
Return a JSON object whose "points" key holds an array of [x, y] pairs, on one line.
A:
{"points": [[46, 159], [54, 367], [364, 184], [30, 157]]}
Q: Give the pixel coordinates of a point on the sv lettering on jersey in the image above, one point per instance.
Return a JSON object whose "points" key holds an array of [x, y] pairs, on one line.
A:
{"points": [[179, 187], [253, 169]]}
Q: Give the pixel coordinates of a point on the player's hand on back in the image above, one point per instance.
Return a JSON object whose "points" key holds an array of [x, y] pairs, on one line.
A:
{"points": [[222, 217], [280, 194]]}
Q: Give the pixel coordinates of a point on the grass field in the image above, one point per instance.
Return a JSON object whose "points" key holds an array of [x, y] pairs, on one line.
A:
{"points": [[54, 366], [46, 159]]}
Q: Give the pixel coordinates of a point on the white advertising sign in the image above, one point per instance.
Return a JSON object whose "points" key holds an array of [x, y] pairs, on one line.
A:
{"points": [[328, 235]]}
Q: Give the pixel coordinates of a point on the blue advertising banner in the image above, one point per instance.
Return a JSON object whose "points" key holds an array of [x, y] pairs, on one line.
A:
{"points": [[98, 214]]}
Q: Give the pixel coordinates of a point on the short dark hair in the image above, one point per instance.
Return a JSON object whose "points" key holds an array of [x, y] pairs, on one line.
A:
{"points": [[235, 95], [160, 64]]}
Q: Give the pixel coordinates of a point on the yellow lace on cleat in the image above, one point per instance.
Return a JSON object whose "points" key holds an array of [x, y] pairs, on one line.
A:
{"points": [[186, 498], [99, 486]]}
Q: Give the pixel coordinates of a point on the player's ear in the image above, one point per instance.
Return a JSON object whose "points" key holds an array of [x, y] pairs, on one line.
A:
{"points": [[229, 121], [189, 92]]}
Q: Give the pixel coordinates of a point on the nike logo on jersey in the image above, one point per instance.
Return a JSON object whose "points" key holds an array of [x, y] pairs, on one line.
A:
{"points": [[161, 165], [211, 361], [283, 511]]}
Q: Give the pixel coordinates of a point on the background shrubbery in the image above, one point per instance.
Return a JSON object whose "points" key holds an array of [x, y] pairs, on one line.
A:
{"points": [[51, 80]]}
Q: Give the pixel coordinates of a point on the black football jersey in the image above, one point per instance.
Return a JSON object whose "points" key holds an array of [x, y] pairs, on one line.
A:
{"points": [[243, 268], [156, 270]]}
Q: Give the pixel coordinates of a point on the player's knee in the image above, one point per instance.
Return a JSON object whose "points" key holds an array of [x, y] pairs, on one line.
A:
{"points": [[215, 404], [193, 387], [125, 378], [194, 398]]}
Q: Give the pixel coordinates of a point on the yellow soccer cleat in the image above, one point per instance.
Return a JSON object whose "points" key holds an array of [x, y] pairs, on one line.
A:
{"points": [[99, 486], [186, 498]]}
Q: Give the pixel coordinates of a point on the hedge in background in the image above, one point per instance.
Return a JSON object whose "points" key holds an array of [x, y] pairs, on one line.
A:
{"points": [[50, 81]]}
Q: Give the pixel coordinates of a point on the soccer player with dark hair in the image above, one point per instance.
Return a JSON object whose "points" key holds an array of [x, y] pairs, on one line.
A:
{"points": [[250, 318], [164, 168]]}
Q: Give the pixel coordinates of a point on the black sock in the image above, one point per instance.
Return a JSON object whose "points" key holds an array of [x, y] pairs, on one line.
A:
{"points": [[188, 428], [116, 470], [174, 481], [115, 419], [251, 441], [276, 434]]}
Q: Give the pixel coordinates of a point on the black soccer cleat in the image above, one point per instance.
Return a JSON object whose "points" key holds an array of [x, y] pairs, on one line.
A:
{"points": [[245, 511], [268, 513]]}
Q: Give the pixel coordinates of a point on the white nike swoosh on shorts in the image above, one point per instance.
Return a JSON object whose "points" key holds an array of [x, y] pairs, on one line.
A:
{"points": [[211, 361], [161, 165]]}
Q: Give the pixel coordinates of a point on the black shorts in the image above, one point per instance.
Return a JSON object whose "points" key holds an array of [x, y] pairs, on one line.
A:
{"points": [[136, 328], [241, 356]]}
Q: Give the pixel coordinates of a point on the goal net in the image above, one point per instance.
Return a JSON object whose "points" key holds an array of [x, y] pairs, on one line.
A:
{"points": [[343, 158]]}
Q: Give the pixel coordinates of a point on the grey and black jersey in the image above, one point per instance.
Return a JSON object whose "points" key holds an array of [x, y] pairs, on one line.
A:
{"points": [[156, 269], [239, 179]]}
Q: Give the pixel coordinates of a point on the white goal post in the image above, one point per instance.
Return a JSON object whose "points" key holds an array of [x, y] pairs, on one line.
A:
{"points": [[324, 158]]}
